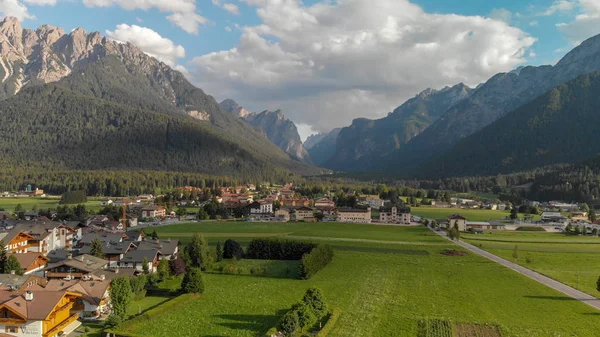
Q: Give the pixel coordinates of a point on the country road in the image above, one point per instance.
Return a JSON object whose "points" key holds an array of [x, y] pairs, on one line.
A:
{"points": [[563, 288]]}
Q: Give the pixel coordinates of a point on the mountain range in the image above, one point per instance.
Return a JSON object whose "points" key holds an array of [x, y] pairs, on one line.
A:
{"points": [[82, 101], [433, 127], [278, 129]]}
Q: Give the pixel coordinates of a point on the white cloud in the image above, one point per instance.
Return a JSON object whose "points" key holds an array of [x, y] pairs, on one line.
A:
{"points": [[559, 6], [138, 19], [15, 8], [184, 12], [149, 42], [533, 23], [501, 14], [41, 2], [586, 24], [532, 53], [333, 61], [228, 29], [231, 8]]}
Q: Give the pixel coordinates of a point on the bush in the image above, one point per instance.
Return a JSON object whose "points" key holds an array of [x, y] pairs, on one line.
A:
{"points": [[232, 249], [531, 229], [192, 282], [177, 266], [316, 301], [289, 324], [314, 261], [270, 249], [258, 270], [333, 318]]}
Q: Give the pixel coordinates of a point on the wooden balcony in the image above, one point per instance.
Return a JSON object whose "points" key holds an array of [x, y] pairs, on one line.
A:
{"points": [[61, 326]]}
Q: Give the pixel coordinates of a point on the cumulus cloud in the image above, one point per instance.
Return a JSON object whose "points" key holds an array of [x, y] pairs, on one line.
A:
{"points": [[559, 6], [149, 42], [184, 12], [15, 8], [231, 8], [585, 24], [501, 14], [333, 61]]}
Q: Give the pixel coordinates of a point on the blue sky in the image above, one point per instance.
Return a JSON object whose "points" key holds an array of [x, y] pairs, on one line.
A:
{"points": [[325, 62]]}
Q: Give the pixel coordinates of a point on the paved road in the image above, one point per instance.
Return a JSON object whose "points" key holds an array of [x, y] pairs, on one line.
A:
{"points": [[563, 288]]}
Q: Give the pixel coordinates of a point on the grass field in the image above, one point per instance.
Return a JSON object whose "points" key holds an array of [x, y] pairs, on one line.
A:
{"points": [[573, 260], [9, 204], [470, 214], [385, 280]]}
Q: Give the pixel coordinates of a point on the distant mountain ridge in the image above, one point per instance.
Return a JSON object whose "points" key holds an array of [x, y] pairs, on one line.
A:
{"points": [[278, 129], [501, 94], [323, 150], [560, 126], [82, 101], [366, 141]]}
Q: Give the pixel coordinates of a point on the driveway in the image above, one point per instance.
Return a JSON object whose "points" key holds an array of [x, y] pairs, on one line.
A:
{"points": [[563, 288]]}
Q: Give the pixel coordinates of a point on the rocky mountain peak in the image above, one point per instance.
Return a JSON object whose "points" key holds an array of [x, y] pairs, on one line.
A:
{"points": [[232, 107], [11, 28]]}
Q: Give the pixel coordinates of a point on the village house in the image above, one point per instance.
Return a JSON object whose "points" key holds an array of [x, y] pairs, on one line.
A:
{"points": [[20, 283], [479, 225], [16, 241], [38, 313], [324, 203], [169, 249], [373, 201], [76, 267], [282, 214], [396, 216], [95, 296], [458, 221], [136, 258], [106, 202], [579, 216], [553, 217], [154, 212], [352, 215], [261, 207], [303, 213], [33, 263]]}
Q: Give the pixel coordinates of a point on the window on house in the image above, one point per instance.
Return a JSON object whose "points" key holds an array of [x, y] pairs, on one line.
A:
{"points": [[12, 329]]}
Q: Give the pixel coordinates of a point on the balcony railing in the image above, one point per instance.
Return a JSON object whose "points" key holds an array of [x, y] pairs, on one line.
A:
{"points": [[61, 326]]}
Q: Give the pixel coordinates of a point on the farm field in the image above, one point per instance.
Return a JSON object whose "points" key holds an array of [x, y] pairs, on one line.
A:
{"points": [[387, 284], [9, 204], [573, 260]]}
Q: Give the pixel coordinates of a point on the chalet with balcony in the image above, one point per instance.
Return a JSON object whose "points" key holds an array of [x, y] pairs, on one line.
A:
{"points": [[76, 267], [95, 296], [38, 313]]}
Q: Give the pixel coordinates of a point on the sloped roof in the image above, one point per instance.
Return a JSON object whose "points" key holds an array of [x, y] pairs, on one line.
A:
{"points": [[92, 291], [27, 259], [39, 308], [85, 262]]}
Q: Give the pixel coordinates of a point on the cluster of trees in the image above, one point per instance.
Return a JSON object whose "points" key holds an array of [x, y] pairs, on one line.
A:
{"points": [[73, 197], [9, 263], [272, 249], [304, 314], [314, 261]]}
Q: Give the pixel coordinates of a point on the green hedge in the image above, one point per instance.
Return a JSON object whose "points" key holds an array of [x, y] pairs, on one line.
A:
{"points": [[328, 327], [531, 229], [272, 249], [314, 261]]}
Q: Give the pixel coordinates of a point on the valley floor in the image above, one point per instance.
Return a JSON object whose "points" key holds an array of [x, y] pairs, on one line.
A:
{"points": [[393, 288]]}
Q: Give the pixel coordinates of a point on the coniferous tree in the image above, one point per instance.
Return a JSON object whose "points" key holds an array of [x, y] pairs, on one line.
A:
{"points": [[12, 264], [3, 255], [97, 249]]}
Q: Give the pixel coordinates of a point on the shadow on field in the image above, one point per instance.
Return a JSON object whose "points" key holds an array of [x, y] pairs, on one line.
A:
{"points": [[255, 323]]}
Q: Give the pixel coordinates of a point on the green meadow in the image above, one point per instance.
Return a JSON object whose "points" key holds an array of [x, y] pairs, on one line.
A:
{"points": [[385, 280], [9, 204], [573, 260]]}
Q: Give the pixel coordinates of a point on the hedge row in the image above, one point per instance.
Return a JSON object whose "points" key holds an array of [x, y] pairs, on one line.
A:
{"points": [[531, 229], [271, 249], [314, 261], [330, 323]]}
